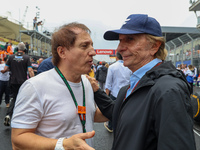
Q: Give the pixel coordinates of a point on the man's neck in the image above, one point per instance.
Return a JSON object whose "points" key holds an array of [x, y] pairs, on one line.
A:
{"points": [[70, 75]]}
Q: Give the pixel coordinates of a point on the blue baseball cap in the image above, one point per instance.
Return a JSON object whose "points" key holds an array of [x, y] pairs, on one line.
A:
{"points": [[136, 24]]}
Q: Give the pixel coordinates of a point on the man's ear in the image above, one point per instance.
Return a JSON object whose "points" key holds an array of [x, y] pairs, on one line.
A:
{"points": [[61, 51], [155, 47]]}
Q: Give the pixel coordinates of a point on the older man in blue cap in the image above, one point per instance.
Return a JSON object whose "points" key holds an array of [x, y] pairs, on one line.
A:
{"points": [[153, 112]]}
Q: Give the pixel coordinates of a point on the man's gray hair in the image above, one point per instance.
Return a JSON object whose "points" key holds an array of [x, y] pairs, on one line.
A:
{"points": [[21, 46]]}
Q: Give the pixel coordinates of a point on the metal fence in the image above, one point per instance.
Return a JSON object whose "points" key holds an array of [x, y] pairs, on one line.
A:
{"points": [[184, 49]]}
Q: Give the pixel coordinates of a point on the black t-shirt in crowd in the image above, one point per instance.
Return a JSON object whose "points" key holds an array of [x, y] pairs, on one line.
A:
{"points": [[18, 65]]}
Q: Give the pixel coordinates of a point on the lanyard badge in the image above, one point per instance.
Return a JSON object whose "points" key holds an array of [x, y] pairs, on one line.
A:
{"points": [[81, 110]]}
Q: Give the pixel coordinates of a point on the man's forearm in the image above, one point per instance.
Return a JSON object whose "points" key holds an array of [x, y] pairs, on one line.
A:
{"points": [[31, 72], [104, 103], [23, 139], [5, 69], [99, 117], [31, 141]]}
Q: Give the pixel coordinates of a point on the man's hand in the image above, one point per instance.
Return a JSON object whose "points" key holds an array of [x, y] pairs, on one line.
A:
{"points": [[94, 83], [78, 141]]}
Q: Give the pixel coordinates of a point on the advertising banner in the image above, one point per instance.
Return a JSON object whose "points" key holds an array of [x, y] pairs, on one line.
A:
{"points": [[105, 51]]}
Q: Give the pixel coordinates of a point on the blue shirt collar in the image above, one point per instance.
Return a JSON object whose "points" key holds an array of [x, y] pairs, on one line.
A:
{"points": [[138, 74], [121, 61], [141, 71]]}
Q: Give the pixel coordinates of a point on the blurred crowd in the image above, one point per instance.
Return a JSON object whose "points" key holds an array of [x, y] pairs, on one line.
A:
{"points": [[192, 74]]}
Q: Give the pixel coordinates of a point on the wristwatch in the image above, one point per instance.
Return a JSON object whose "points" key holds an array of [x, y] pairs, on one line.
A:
{"points": [[59, 144]]}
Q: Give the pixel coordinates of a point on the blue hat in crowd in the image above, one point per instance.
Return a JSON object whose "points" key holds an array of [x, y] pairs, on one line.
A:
{"points": [[136, 24]]}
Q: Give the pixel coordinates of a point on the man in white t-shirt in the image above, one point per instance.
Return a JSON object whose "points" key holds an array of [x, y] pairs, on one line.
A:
{"points": [[56, 109], [4, 84], [117, 77]]}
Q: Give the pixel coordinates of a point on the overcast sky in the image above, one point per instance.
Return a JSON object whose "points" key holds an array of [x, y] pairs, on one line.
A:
{"points": [[100, 15]]}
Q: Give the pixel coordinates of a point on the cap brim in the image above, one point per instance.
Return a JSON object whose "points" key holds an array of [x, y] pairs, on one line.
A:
{"points": [[114, 34]]}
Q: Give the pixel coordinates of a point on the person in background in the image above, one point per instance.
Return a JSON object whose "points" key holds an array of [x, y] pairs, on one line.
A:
{"points": [[59, 108], [40, 61], [45, 65], [6, 46], [190, 75], [4, 83], [184, 68], [34, 64], [40, 23], [117, 77], [15, 50], [91, 73], [27, 48], [101, 75], [18, 65], [107, 65], [179, 67], [154, 112], [10, 49], [99, 65], [35, 27], [196, 73], [94, 68]]}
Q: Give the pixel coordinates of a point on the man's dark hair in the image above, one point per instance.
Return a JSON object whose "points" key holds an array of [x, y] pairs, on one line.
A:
{"points": [[119, 56], [103, 63]]}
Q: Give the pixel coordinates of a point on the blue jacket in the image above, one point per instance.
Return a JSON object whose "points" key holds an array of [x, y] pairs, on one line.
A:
{"points": [[45, 65], [190, 79]]}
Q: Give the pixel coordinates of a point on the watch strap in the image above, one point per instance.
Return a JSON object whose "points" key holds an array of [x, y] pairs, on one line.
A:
{"points": [[59, 144]]}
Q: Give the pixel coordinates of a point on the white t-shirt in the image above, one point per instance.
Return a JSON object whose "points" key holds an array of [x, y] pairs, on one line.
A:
{"points": [[45, 103], [4, 76]]}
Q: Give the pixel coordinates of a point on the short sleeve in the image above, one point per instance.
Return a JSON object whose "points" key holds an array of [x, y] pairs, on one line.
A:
{"points": [[28, 109]]}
